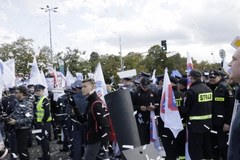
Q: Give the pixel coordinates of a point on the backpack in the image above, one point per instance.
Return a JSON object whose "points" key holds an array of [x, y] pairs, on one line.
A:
{"points": [[112, 135]]}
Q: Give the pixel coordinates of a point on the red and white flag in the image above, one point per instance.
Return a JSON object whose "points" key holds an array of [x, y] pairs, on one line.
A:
{"points": [[189, 68], [168, 107]]}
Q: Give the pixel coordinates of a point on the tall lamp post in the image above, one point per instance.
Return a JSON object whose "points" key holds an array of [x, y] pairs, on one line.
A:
{"points": [[120, 52], [49, 10]]}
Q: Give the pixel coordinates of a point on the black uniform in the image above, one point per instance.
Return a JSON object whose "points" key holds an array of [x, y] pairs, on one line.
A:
{"points": [[64, 120], [199, 117], [54, 109], [222, 108], [142, 98], [171, 144], [8, 104], [23, 115]]}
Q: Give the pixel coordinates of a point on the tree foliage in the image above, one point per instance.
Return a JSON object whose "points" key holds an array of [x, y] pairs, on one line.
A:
{"points": [[22, 51]]}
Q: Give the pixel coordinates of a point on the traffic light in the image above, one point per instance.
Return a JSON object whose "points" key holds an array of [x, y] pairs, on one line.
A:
{"points": [[164, 45]]}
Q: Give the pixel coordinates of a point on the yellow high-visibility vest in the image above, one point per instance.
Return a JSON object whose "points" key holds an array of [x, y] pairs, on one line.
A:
{"points": [[40, 111]]}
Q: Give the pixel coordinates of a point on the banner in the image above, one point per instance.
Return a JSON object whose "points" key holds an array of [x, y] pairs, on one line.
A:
{"points": [[168, 108], [69, 78], [8, 77], [189, 68], [35, 75], [101, 88], [11, 65]]}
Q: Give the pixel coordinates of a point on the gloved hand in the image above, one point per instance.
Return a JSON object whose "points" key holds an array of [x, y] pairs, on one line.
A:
{"points": [[82, 118]]}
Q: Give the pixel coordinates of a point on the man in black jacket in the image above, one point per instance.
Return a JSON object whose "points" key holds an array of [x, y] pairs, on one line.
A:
{"points": [[98, 129], [198, 105], [144, 100], [222, 107], [78, 103], [21, 120]]}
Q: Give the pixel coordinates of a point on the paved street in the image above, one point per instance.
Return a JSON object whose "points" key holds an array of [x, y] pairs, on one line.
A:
{"points": [[35, 152]]}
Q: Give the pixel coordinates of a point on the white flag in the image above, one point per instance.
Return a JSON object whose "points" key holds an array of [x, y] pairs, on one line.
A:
{"points": [[69, 78], [169, 110], [154, 77], [1, 85], [101, 88], [35, 75], [7, 76], [11, 65], [44, 83]]}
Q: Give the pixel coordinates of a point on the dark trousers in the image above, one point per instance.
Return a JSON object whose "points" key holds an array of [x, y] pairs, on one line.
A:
{"points": [[180, 143], [56, 130], [67, 135], [78, 140], [219, 143], [199, 145], [144, 133], [30, 138], [11, 136], [22, 143], [44, 142], [169, 144], [91, 151]]}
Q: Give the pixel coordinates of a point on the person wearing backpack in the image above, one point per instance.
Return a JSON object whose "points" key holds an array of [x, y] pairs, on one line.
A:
{"points": [[98, 128]]}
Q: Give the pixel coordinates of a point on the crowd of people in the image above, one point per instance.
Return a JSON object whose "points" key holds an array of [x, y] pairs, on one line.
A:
{"points": [[206, 109]]}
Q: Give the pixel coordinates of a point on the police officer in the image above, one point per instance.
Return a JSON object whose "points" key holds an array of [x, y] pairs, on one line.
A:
{"points": [[126, 83], [79, 105], [144, 100], [55, 127], [181, 137], [31, 98], [63, 118], [222, 107], [9, 103], [21, 120], [43, 120], [182, 85], [198, 103]]}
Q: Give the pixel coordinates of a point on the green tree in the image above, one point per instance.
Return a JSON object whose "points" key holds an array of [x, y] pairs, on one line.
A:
{"points": [[177, 62], [93, 61], [156, 59], [206, 66], [110, 66], [20, 50], [134, 61], [72, 60]]}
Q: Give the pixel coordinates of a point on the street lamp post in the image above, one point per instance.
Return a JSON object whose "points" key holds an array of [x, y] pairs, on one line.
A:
{"points": [[120, 52], [49, 10]]}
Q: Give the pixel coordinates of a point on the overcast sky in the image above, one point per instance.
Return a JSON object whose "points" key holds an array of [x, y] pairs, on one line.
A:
{"points": [[200, 27]]}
